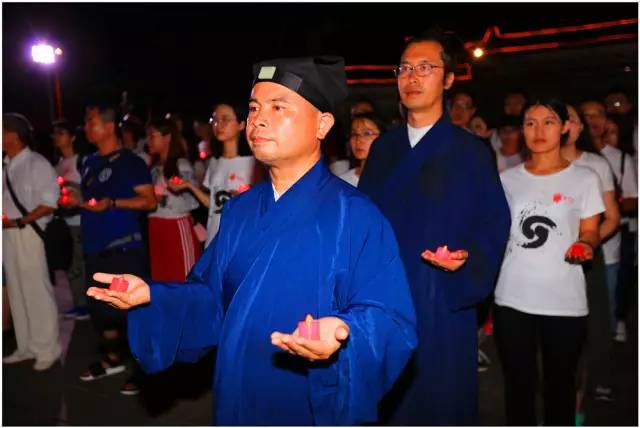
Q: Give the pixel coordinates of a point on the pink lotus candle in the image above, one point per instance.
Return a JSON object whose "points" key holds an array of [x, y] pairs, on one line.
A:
{"points": [[309, 328], [118, 283], [442, 253], [203, 155], [243, 188], [93, 202], [60, 180], [175, 180]]}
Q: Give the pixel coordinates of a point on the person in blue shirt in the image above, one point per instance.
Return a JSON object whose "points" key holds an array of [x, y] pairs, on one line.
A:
{"points": [[438, 185], [117, 190], [303, 242]]}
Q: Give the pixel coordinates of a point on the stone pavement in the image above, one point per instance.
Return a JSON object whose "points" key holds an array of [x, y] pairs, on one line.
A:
{"points": [[182, 395]]}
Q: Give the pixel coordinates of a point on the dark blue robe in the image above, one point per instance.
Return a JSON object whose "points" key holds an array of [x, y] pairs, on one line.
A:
{"points": [[323, 248], [444, 191]]}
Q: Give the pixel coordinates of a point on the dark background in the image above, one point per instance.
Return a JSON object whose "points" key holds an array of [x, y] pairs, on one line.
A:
{"points": [[184, 57]]}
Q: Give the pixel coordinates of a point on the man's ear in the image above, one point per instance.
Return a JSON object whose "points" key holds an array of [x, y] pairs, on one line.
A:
{"points": [[448, 80], [325, 123]]}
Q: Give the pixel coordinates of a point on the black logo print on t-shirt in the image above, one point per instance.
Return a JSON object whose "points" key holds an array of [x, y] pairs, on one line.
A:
{"points": [[222, 196], [536, 228]]}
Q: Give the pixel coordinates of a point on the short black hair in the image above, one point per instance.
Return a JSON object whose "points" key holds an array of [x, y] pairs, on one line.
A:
{"points": [[18, 123], [63, 125], [452, 46], [508, 121], [466, 92], [107, 112]]}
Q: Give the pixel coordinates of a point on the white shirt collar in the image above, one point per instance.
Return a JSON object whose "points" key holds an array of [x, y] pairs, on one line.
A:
{"points": [[416, 134], [276, 195]]}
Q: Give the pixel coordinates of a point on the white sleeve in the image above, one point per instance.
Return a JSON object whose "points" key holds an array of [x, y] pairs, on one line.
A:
{"points": [[607, 177], [44, 179], [629, 184], [211, 169], [592, 202]]}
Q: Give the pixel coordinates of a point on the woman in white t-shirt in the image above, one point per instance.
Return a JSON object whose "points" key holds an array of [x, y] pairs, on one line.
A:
{"points": [[365, 128], [540, 295], [173, 246], [236, 169]]}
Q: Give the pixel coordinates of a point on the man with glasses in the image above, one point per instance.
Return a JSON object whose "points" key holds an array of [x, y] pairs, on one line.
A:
{"points": [[438, 185]]}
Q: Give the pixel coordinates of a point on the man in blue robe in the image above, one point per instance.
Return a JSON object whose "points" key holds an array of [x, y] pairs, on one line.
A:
{"points": [[303, 242], [437, 185]]}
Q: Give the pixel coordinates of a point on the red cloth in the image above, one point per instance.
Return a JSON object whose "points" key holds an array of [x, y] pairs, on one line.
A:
{"points": [[173, 248]]}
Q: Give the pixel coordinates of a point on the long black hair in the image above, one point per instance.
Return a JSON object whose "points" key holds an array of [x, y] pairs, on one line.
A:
{"points": [[176, 151], [241, 111]]}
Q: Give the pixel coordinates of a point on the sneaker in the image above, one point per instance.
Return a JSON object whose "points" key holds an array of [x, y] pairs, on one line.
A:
{"points": [[82, 313], [130, 389], [483, 361], [102, 369], [17, 357], [42, 365], [621, 332], [603, 394]]}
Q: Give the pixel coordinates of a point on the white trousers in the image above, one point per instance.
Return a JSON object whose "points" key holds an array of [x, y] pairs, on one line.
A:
{"points": [[31, 297]]}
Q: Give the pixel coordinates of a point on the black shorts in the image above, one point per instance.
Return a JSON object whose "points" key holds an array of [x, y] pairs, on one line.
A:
{"points": [[134, 261]]}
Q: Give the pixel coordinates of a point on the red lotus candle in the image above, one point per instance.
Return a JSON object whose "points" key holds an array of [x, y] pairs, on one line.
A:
{"points": [[442, 253], [577, 251], [118, 283], [5, 217], [60, 180], [309, 328], [64, 191], [243, 188], [175, 180], [92, 202], [64, 200]]}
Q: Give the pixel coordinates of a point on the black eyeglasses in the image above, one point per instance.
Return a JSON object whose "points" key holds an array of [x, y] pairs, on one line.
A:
{"points": [[423, 70]]}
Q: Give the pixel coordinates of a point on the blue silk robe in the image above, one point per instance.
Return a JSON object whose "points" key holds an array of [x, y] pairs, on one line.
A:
{"points": [[444, 191], [323, 248]]}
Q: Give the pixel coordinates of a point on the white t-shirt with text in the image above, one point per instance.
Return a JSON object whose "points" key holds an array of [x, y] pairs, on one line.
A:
{"points": [[229, 176]]}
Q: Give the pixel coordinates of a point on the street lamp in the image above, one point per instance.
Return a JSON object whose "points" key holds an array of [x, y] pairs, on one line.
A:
{"points": [[45, 54]]}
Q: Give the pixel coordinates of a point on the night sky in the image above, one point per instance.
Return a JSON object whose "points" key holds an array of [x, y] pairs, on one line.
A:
{"points": [[184, 57]]}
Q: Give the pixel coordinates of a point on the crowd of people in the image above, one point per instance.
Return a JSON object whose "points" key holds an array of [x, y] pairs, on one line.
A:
{"points": [[537, 217]]}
